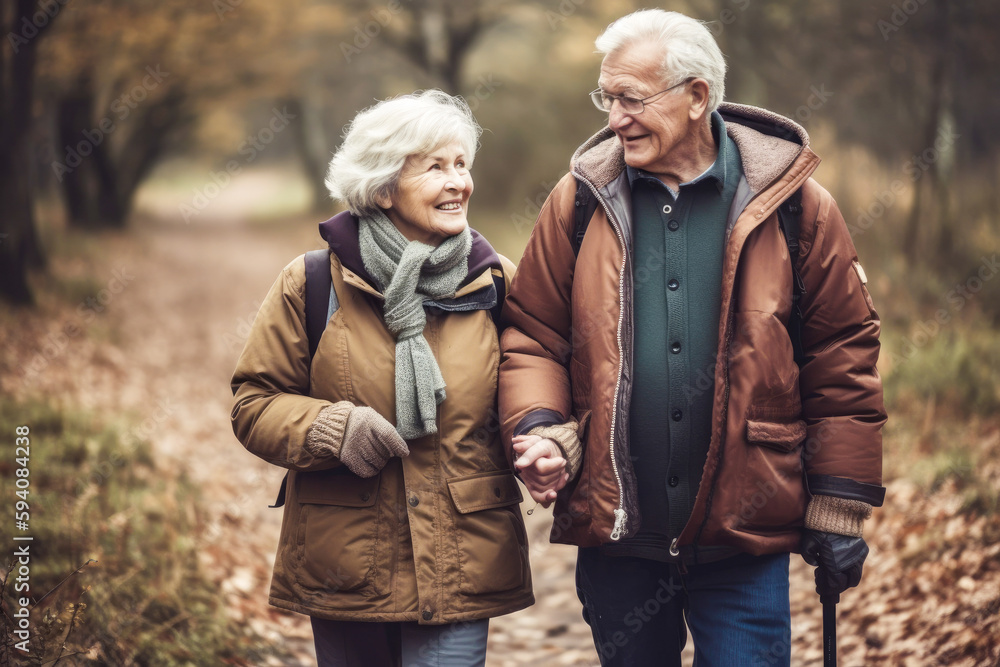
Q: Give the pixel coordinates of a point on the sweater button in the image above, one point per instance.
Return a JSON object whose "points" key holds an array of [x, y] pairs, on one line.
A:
{"points": [[676, 415], [673, 285], [428, 615], [675, 347], [675, 480], [414, 501], [673, 225], [667, 209]]}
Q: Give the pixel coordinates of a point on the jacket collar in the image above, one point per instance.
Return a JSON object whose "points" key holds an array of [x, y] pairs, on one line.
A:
{"points": [[718, 171], [341, 233], [768, 145]]}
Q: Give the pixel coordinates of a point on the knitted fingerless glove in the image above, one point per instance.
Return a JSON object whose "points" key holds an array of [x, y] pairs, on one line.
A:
{"points": [[842, 516], [568, 438]]}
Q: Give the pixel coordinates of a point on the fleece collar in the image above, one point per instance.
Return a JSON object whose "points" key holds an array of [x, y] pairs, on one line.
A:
{"points": [[341, 233], [768, 145]]}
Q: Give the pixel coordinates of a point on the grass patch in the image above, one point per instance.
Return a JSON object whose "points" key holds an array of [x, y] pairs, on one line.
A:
{"points": [[96, 494], [957, 369], [76, 289], [959, 457]]}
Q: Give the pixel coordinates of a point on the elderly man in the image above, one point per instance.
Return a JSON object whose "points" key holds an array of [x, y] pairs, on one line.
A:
{"points": [[689, 371]]}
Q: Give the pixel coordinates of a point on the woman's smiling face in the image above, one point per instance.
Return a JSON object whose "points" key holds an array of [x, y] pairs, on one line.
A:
{"points": [[432, 196]]}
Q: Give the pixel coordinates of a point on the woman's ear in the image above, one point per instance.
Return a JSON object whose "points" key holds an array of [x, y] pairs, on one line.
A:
{"points": [[383, 200]]}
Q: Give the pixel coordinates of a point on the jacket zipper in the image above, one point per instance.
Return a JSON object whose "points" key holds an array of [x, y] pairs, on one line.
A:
{"points": [[621, 517], [730, 315]]}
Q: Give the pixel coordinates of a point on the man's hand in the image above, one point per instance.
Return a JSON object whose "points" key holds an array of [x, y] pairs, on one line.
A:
{"points": [[542, 467], [838, 560]]}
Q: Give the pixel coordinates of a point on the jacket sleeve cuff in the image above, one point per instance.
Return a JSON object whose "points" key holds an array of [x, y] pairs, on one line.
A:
{"points": [[830, 514], [540, 417], [326, 434], [567, 437], [843, 487]]}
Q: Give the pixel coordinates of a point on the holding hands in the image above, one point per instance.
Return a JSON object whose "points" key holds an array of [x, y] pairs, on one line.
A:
{"points": [[542, 467]]}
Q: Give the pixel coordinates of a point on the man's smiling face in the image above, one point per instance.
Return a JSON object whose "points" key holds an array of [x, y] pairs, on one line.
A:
{"points": [[648, 137]]}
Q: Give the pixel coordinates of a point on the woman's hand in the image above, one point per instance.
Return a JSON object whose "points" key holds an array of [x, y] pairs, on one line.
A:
{"points": [[541, 466], [369, 442]]}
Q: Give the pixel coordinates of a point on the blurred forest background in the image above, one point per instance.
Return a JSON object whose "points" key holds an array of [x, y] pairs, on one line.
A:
{"points": [[161, 161]]}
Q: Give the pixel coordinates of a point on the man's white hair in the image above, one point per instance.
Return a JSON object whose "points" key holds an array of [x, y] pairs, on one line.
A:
{"points": [[690, 49], [380, 139]]}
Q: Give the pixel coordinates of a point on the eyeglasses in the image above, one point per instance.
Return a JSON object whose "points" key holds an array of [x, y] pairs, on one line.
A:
{"points": [[631, 105]]}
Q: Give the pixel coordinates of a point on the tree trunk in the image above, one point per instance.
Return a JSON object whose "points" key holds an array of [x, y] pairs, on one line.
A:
{"points": [[943, 182], [19, 247], [442, 40], [932, 218], [75, 170], [309, 135], [925, 186], [89, 179], [154, 128], [99, 187]]}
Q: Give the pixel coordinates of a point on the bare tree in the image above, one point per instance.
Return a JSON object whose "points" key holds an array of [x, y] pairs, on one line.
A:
{"points": [[23, 24]]}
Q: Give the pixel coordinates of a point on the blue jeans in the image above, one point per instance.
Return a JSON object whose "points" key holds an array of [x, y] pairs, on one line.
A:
{"points": [[737, 610]]}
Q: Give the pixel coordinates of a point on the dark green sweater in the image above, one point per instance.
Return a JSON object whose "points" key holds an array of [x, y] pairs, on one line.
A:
{"points": [[679, 240]]}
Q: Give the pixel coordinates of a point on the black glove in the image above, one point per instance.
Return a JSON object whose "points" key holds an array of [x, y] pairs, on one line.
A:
{"points": [[838, 558]]}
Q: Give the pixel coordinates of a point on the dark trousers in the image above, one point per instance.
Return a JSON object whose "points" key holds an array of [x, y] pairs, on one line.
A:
{"points": [[737, 609], [350, 644], [356, 644]]}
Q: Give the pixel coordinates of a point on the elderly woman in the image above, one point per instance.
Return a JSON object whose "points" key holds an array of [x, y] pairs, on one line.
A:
{"points": [[401, 534]]}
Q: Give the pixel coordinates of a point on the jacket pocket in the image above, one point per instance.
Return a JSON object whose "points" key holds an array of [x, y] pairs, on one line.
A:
{"points": [[337, 528], [772, 495], [780, 436], [492, 544]]}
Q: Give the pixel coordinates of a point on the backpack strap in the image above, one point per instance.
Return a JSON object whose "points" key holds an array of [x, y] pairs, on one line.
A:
{"points": [[790, 220], [584, 207], [500, 284], [318, 286], [320, 299], [282, 492]]}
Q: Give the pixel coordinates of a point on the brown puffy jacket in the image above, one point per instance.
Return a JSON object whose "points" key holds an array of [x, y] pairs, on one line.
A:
{"points": [[437, 536], [781, 435]]}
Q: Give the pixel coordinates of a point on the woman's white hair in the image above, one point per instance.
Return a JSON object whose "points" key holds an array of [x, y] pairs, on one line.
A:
{"points": [[378, 141], [690, 49]]}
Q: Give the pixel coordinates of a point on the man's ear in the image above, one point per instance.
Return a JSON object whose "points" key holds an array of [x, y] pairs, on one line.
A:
{"points": [[699, 98]]}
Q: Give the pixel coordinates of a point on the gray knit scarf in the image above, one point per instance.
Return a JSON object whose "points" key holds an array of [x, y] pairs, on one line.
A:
{"points": [[408, 273]]}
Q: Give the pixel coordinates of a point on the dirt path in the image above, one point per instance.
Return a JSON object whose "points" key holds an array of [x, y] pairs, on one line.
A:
{"points": [[163, 352], [196, 293]]}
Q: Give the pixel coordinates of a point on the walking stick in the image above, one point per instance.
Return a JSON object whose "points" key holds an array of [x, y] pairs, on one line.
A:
{"points": [[829, 629]]}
